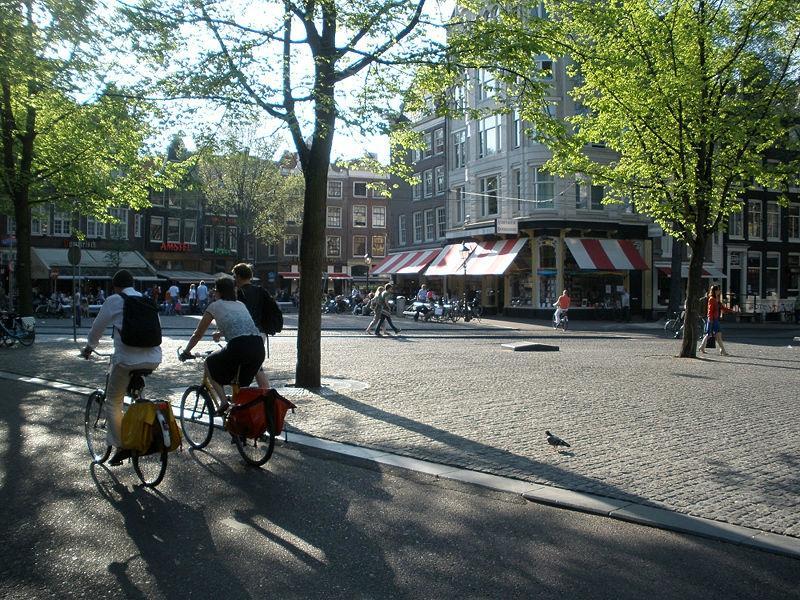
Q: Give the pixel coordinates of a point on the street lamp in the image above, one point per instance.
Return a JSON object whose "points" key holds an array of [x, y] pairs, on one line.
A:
{"points": [[368, 262], [465, 252]]}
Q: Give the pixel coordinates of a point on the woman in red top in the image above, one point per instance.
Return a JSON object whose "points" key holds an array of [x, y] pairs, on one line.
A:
{"points": [[715, 310]]}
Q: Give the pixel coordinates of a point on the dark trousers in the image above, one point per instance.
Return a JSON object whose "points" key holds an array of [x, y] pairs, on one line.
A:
{"points": [[388, 319]]}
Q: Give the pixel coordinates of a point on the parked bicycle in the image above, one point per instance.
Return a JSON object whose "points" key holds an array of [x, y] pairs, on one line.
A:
{"points": [[51, 308], [150, 466], [197, 416], [14, 328], [673, 326]]}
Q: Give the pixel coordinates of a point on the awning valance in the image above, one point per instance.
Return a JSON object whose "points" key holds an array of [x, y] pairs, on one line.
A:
{"points": [[296, 275], [95, 264], [606, 255], [289, 274], [187, 276], [405, 263], [337, 276], [709, 272]]}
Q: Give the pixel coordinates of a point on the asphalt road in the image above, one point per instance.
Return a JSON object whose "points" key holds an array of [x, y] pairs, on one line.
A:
{"points": [[314, 525]]}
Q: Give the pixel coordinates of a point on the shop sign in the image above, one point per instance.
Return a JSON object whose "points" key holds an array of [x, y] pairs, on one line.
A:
{"points": [[85, 244], [506, 226], [174, 247], [223, 220], [224, 251]]}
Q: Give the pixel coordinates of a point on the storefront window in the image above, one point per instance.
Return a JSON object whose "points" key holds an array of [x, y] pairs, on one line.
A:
{"points": [[592, 289], [754, 274], [772, 279], [547, 271]]}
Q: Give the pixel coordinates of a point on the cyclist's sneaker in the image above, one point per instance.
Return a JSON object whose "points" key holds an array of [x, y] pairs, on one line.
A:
{"points": [[120, 455]]}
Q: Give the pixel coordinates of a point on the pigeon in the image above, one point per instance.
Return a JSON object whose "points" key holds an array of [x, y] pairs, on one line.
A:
{"points": [[555, 441]]}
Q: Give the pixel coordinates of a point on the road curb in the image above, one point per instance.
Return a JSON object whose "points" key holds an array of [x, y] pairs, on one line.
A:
{"points": [[622, 510]]}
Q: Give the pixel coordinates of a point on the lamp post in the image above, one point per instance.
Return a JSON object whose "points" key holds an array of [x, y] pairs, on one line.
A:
{"points": [[465, 252], [368, 262]]}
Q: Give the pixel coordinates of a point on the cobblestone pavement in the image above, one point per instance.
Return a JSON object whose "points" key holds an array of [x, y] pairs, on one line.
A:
{"points": [[715, 438]]}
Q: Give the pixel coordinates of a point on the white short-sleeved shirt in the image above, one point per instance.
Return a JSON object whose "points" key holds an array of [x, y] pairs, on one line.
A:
{"points": [[233, 319]]}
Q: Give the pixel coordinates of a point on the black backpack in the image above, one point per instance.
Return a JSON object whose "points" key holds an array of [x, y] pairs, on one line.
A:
{"points": [[140, 325], [271, 315]]}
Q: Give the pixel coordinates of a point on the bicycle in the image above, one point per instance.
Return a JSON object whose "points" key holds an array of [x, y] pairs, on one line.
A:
{"points": [[673, 326], [198, 410], [563, 321], [14, 328], [150, 466]]}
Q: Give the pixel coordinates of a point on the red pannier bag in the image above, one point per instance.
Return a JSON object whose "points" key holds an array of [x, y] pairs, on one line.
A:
{"points": [[248, 417]]}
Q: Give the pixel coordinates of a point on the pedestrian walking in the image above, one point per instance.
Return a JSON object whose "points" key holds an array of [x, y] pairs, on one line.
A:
{"points": [[385, 310], [202, 296], [374, 300], [715, 310], [174, 297], [192, 298], [625, 302]]}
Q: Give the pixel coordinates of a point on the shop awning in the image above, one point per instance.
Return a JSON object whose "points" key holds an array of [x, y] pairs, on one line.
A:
{"points": [[405, 263], [337, 276], [709, 272], [289, 274], [493, 258], [448, 261], [187, 276], [296, 275], [95, 264], [606, 255]]}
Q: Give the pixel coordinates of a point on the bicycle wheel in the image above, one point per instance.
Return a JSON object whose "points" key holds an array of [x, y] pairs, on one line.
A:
{"points": [[151, 466], [672, 328], [197, 416], [94, 421], [25, 336], [257, 451]]}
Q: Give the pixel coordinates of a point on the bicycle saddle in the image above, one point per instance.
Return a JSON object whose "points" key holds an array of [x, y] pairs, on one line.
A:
{"points": [[136, 383]]}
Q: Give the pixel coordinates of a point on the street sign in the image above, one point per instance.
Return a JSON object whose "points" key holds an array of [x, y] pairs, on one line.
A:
{"points": [[74, 255], [507, 226]]}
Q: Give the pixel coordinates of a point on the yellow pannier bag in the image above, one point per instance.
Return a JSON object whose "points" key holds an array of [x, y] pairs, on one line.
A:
{"points": [[137, 426], [139, 423]]}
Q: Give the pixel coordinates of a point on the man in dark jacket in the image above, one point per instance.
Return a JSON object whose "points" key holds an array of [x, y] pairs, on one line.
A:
{"points": [[251, 295]]}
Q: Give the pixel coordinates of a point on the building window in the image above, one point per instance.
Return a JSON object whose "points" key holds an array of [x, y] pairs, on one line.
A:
{"points": [[794, 222], [438, 141], [598, 192], [174, 199], [417, 189], [291, 245], [544, 188], [428, 144], [427, 183], [402, 231], [173, 230], [793, 270], [459, 98], [544, 68], [220, 231], [333, 246], [379, 216], [754, 226], [208, 237], [156, 229], [488, 190], [359, 245], [516, 127], [429, 225], [773, 221], [360, 189], [772, 281], [138, 225], [249, 248], [460, 149], [736, 224], [516, 187], [62, 224], [439, 179], [378, 245], [418, 228], [157, 198], [458, 194], [334, 189], [118, 230], [95, 228], [581, 193], [486, 84], [233, 238], [190, 231], [441, 222], [335, 216], [360, 216], [488, 136], [272, 249], [754, 274]]}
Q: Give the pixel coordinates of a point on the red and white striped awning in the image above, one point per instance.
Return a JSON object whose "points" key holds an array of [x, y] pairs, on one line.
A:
{"points": [[606, 255], [485, 258], [289, 274], [296, 275], [709, 272], [337, 276], [405, 263]]}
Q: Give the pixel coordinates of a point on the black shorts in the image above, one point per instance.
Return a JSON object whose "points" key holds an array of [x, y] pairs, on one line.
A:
{"points": [[244, 354]]}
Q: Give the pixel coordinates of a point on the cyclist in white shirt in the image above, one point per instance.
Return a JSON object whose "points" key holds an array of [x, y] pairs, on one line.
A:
{"points": [[124, 360]]}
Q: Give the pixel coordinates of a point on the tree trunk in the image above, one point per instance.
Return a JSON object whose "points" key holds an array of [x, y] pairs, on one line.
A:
{"points": [[675, 280], [22, 274], [693, 293], [312, 247]]}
